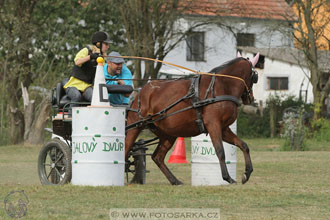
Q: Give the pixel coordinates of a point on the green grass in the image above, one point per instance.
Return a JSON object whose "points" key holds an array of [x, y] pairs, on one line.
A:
{"points": [[274, 144], [284, 185]]}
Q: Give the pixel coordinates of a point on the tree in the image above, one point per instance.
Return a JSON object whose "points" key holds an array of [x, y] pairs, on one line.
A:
{"points": [[15, 63], [152, 30], [29, 49], [37, 43], [312, 26]]}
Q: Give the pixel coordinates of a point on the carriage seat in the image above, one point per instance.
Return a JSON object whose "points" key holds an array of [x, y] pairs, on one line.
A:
{"points": [[61, 97]]}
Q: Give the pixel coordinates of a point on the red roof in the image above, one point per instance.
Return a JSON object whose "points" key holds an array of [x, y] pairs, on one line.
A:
{"points": [[259, 9]]}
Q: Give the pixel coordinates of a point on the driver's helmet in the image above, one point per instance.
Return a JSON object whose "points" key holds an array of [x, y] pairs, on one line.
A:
{"points": [[100, 36]]}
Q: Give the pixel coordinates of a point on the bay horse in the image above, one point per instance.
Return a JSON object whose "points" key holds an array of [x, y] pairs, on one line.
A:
{"points": [[189, 107]]}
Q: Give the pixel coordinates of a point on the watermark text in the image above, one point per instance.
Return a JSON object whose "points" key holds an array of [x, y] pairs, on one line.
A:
{"points": [[164, 213]]}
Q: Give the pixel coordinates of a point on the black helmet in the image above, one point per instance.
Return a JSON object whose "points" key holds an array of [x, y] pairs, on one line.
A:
{"points": [[100, 36]]}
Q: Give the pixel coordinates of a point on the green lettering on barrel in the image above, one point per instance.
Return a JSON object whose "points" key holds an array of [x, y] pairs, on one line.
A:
{"points": [[75, 147], [212, 150], [121, 146], [108, 146], [114, 146], [208, 151], [92, 147], [203, 151], [83, 147], [80, 149], [195, 149]]}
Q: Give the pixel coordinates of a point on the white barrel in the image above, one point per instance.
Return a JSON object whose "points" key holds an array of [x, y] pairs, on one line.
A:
{"points": [[205, 166], [98, 146]]}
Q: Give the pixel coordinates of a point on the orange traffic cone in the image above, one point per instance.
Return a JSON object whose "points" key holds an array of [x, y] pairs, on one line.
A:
{"points": [[179, 153]]}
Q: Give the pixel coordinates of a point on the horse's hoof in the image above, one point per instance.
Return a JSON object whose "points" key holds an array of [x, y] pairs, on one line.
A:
{"points": [[232, 181], [177, 183], [244, 178]]}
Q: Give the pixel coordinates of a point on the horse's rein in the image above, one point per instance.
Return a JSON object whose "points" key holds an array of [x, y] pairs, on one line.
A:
{"points": [[182, 67]]}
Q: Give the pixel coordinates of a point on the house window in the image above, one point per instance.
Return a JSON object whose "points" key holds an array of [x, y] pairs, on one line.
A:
{"points": [[245, 39], [195, 46], [278, 83]]}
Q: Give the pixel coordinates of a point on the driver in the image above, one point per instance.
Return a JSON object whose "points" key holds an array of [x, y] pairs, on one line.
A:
{"points": [[80, 84], [117, 73]]}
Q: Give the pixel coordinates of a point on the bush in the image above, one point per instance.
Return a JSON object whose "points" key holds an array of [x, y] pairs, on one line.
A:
{"points": [[259, 126], [294, 129], [321, 130], [253, 125]]}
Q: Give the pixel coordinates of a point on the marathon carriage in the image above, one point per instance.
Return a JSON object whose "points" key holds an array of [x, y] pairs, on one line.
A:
{"points": [[54, 162]]}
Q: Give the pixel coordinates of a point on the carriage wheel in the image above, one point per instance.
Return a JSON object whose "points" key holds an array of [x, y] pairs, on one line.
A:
{"points": [[140, 166], [54, 163]]}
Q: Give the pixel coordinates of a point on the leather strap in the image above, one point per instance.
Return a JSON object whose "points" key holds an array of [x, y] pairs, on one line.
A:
{"points": [[185, 68]]}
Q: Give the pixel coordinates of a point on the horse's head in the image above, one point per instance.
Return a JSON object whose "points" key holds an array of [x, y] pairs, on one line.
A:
{"points": [[250, 78]]}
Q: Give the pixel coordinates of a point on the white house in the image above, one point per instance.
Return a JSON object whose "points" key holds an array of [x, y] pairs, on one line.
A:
{"points": [[280, 73], [229, 24], [249, 26], [284, 71]]}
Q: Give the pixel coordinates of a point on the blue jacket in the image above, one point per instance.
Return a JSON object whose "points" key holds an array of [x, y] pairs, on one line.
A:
{"points": [[125, 73]]}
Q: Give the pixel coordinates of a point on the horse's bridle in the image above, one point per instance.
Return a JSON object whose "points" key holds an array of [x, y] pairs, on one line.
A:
{"points": [[254, 79]]}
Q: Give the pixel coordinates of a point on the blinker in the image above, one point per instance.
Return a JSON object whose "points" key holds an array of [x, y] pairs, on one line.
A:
{"points": [[254, 77]]}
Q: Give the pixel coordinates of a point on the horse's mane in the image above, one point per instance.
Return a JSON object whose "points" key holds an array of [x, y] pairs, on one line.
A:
{"points": [[226, 64]]}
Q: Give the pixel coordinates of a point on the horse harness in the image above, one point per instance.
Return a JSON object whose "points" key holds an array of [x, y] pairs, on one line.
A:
{"points": [[197, 103], [254, 79]]}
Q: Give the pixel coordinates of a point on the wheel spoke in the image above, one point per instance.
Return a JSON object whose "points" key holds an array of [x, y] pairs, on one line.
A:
{"points": [[56, 153], [50, 172], [58, 173], [59, 158], [60, 165], [50, 156]]}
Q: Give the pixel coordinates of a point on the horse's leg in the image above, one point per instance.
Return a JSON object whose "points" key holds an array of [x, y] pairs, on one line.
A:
{"points": [[158, 157], [216, 137], [133, 133], [130, 139], [231, 138]]}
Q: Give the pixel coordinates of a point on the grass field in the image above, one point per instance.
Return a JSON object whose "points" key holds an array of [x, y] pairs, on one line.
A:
{"points": [[284, 185]]}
